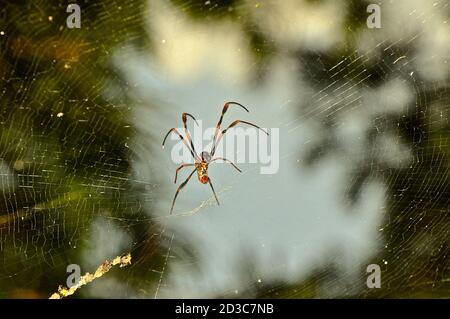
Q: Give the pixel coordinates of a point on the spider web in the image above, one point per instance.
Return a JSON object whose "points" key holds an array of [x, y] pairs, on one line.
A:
{"points": [[361, 111]]}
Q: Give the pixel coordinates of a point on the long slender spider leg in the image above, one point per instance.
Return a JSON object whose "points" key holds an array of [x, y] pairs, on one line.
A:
{"points": [[224, 110], [180, 167], [240, 121], [234, 124], [195, 156], [214, 192], [228, 161], [188, 135], [180, 188]]}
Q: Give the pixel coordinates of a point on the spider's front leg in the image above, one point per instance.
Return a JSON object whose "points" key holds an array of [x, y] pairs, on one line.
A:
{"points": [[174, 130], [217, 131], [230, 126]]}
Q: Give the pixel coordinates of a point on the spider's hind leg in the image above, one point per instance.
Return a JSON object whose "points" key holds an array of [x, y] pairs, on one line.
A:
{"points": [[214, 192], [180, 188], [178, 169]]}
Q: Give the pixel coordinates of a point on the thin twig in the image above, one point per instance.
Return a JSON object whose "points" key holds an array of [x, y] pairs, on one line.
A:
{"points": [[122, 261]]}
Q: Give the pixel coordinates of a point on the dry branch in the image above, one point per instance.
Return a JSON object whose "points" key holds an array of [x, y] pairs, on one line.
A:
{"points": [[122, 261]]}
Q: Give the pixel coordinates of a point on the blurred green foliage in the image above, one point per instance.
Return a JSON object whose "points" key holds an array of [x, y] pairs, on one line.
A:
{"points": [[63, 139]]}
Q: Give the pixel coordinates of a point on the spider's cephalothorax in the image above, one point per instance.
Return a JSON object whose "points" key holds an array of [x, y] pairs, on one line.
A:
{"points": [[202, 162], [206, 157]]}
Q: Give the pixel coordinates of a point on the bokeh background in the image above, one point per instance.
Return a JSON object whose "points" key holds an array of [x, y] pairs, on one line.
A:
{"points": [[364, 122]]}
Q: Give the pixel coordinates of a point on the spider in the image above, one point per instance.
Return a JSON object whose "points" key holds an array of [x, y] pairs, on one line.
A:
{"points": [[205, 158]]}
